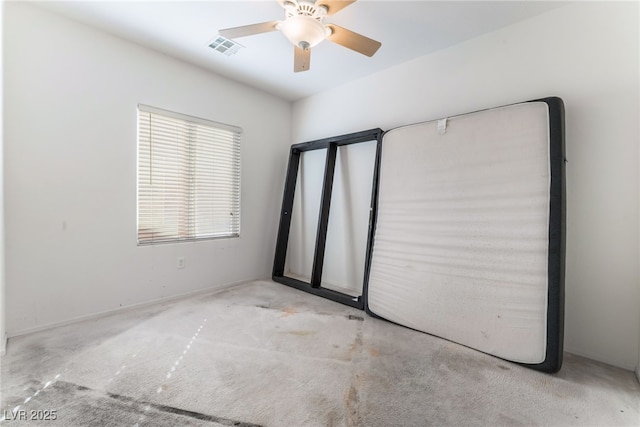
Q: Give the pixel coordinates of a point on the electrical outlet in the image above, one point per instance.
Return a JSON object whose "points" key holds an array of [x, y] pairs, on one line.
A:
{"points": [[180, 262]]}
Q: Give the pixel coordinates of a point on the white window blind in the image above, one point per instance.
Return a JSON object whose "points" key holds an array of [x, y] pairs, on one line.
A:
{"points": [[188, 177]]}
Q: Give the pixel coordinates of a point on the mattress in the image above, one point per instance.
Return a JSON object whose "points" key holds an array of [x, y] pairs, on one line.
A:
{"points": [[469, 236]]}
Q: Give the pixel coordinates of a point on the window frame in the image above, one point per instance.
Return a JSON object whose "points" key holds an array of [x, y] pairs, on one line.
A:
{"points": [[190, 189]]}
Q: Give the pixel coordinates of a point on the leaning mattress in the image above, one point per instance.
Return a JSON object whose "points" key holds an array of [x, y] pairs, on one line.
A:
{"points": [[468, 241]]}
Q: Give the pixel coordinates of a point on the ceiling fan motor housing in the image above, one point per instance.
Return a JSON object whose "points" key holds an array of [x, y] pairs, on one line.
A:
{"points": [[305, 8]]}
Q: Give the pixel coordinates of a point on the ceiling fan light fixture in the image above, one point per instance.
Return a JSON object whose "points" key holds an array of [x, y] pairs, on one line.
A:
{"points": [[304, 31]]}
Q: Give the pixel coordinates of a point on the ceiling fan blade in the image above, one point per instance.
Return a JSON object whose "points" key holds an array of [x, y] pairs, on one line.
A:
{"points": [[301, 59], [353, 41], [334, 6], [249, 30]]}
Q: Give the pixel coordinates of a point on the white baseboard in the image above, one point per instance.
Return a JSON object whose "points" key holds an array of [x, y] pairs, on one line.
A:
{"points": [[599, 358], [212, 289]]}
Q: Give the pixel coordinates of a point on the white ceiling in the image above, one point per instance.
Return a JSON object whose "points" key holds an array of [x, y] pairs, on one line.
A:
{"points": [[407, 29]]}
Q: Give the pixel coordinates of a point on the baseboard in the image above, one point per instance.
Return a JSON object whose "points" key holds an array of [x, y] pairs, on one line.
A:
{"points": [[638, 373], [600, 358], [211, 289]]}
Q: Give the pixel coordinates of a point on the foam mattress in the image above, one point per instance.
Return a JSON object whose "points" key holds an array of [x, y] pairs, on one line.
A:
{"points": [[468, 240]]}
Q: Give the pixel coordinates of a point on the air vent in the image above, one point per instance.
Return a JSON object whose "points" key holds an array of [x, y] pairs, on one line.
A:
{"points": [[224, 45]]}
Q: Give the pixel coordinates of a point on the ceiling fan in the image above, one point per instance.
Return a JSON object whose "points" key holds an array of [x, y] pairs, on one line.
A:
{"points": [[304, 27]]}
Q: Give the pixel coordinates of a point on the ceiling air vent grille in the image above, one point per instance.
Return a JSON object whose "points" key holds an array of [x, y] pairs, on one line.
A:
{"points": [[224, 45]]}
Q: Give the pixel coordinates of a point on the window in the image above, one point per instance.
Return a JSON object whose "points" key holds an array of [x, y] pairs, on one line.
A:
{"points": [[188, 177]]}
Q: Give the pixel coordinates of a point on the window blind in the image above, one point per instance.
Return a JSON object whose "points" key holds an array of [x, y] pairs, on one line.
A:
{"points": [[188, 177]]}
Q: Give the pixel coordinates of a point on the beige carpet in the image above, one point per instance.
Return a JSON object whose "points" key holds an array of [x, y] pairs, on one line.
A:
{"points": [[265, 354]]}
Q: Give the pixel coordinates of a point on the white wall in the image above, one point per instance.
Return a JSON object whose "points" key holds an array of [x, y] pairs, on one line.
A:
{"points": [[586, 53], [70, 138], [3, 342]]}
